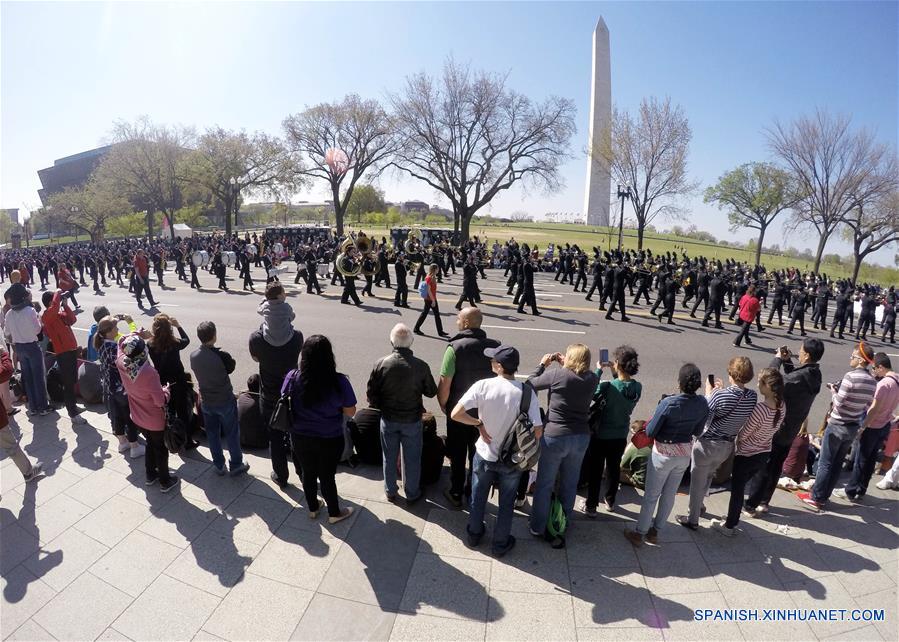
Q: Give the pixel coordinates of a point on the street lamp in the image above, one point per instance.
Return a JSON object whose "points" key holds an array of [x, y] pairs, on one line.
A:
{"points": [[74, 210], [233, 192], [623, 194]]}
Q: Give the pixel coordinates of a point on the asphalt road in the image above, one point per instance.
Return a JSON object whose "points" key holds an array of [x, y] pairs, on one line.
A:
{"points": [[360, 335]]}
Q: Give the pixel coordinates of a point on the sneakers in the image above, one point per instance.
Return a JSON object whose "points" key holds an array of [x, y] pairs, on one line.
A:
{"points": [[77, 420], [786, 483], [346, 512], [590, 511], [124, 446], [633, 537], [274, 477], [240, 469], [137, 451], [169, 484], [521, 503], [751, 513], [761, 509], [45, 412], [684, 521], [842, 494], [505, 548], [474, 539], [150, 481], [808, 502], [883, 484], [718, 525], [652, 536], [219, 471], [37, 471], [610, 506]]}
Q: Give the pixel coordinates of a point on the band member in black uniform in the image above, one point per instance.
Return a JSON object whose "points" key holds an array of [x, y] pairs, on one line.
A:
{"points": [[740, 288], [716, 300], [91, 264], [608, 282], [596, 273], [800, 303], [311, 264], [644, 281], [244, 273], [401, 298], [669, 298], [822, 298], [581, 272], [866, 318], [513, 267], [702, 291], [383, 271], [369, 266], [778, 301], [218, 268], [349, 282], [689, 285], [619, 282], [299, 259], [469, 283], [267, 265], [158, 259], [888, 321], [179, 263], [528, 295], [841, 312], [79, 265], [194, 282]]}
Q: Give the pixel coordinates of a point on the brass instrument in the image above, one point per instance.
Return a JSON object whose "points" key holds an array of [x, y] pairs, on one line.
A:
{"points": [[347, 264]]}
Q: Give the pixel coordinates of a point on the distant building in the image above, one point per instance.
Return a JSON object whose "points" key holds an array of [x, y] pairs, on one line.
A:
{"points": [[71, 171], [12, 213], [415, 206]]}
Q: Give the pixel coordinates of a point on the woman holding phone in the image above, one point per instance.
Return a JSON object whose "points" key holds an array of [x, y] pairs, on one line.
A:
{"points": [[566, 433]]}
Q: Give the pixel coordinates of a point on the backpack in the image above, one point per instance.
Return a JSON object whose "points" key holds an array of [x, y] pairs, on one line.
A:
{"points": [[597, 410], [423, 289], [520, 448], [55, 388], [282, 417]]}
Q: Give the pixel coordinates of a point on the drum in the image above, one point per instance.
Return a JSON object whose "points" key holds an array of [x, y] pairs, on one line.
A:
{"points": [[322, 269], [278, 249], [251, 250], [229, 259], [200, 258]]}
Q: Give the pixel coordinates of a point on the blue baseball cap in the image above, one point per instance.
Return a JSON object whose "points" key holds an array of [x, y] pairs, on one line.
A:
{"points": [[506, 356]]}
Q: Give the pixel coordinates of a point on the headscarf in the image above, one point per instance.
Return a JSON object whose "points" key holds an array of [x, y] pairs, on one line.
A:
{"points": [[135, 350]]}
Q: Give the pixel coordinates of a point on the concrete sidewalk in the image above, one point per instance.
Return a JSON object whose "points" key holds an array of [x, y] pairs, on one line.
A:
{"points": [[89, 552]]}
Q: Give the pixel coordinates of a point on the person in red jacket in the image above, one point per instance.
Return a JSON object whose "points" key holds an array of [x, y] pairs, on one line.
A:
{"points": [[142, 279], [8, 441], [58, 320], [67, 282], [749, 309]]}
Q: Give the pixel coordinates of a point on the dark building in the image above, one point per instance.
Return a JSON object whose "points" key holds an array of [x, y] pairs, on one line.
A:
{"points": [[71, 171]]}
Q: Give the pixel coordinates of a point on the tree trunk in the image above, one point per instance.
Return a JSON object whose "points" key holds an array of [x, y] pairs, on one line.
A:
{"points": [[640, 229], [758, 249], [859, 257], [466, 225], [171, 218], [822, 243]]}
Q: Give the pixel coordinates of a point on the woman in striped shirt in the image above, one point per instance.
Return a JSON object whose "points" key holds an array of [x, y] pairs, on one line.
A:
{"points": [[754, 445]]}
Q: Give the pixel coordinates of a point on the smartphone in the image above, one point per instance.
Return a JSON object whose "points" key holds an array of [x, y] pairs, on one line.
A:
{"points": [[711, 379], [603, 355]]}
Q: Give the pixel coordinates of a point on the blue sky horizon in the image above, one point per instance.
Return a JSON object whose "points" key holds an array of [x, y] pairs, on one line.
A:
{"points": [[68, 70]]}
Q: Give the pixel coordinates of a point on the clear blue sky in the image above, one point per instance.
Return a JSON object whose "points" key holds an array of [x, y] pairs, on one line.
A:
{"points": [[70, 69]]}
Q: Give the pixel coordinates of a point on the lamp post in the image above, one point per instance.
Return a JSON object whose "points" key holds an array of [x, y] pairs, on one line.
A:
{"points": [[623, 194], [74, 210], [233, 193]]}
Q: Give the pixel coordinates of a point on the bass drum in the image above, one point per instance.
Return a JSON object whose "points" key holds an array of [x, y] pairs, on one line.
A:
{"points": [[229, 259], [200, 258], [277, 249], [251, 250]]}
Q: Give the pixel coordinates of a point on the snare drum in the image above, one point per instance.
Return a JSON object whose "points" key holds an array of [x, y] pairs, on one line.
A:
{"points": [[200, 258], [251, 250]]}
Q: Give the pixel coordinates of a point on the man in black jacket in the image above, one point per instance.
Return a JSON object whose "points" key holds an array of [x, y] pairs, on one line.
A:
{"points": [[395, 387], [801, 386], [463, 364]]}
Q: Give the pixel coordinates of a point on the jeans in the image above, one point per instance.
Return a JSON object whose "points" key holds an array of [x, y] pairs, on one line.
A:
{"points": [[222, 421], [460, 441], [319, 457], [67, 362], [156, 457], [707, 456], [835, 445], [765, 481], [409, 435], [745, 467], [34, 375], [485, 474], [869, 444], [560, 456], [663, 477], [10, 446], [280, 445], [604, 454], [120, 415]]}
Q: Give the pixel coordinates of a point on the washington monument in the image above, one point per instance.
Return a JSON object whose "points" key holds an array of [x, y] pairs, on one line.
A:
{"points": [[598, 187]]}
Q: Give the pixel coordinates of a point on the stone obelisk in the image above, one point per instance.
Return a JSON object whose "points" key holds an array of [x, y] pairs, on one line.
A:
{"points": [[598, 188]]}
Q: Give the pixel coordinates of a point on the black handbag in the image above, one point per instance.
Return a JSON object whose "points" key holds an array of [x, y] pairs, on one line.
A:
{"points": [[282, 417]]}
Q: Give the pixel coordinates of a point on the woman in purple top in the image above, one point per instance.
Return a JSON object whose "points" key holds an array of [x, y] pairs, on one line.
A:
{"points": [[320, 398]]}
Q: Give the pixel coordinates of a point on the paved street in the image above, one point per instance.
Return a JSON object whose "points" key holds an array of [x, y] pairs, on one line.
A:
{"points": [[89, 552]]}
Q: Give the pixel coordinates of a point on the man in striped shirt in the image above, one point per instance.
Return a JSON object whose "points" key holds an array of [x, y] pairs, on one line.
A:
{"points": [[850, 401], [729, 409]]}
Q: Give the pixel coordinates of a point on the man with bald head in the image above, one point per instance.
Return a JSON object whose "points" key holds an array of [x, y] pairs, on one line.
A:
{"points": [[463, 364]]}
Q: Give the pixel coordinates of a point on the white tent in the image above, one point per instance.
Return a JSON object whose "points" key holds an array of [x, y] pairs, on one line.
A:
{"points": [[182, 231]]}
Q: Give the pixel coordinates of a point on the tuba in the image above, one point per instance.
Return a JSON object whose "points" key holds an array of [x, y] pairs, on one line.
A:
{"points": [[347, 264]]}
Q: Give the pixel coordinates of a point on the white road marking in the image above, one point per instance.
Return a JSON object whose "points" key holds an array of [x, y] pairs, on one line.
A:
{"points": [[509, 327], [81, 329], [539, 293]]}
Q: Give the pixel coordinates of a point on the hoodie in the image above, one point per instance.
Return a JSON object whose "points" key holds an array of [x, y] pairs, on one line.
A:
{"points": [[801, 386], [277, 317]]}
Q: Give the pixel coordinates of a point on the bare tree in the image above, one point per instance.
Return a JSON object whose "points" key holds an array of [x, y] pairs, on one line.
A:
{"points": [[872, 226], [228, 163], [835, 169], [754, 194], [144, 165], [89, 208], [649, 153], [338, 143], [470, 137]]}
